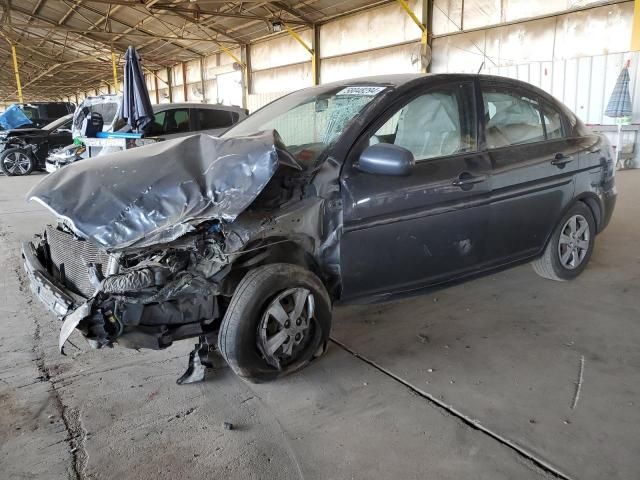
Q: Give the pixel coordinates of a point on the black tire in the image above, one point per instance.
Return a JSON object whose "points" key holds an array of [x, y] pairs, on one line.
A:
{"points": [[550, 265], [16, 162], [240, 332]]}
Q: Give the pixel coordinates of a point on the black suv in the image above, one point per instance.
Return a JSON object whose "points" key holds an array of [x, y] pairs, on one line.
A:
{"points": [[25, 149], [353, 191]]}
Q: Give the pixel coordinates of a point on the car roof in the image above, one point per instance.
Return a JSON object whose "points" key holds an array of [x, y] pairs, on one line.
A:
{"points": [[207, 106], [402, 79]]}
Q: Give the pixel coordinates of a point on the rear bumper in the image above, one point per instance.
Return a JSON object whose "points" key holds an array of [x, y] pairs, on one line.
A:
{"points": [[58, 300]]}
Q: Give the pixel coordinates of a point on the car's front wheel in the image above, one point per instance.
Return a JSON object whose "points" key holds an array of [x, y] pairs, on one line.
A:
{"points": [[16, 161], [570, 246], [278, 320]]}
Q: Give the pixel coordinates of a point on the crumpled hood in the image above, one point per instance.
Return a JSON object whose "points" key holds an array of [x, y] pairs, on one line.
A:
{"points": [[157, 193]]}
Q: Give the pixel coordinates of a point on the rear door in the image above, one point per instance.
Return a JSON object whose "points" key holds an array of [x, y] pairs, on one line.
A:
{"points": [[171, 123], [533, 166], [403, 233]]}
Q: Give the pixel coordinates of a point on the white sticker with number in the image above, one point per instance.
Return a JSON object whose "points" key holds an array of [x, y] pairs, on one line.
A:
{"points": [[361, 91]]}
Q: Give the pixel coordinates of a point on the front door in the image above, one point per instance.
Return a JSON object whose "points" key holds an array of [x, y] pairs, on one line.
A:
{"points": [[404, 233]]}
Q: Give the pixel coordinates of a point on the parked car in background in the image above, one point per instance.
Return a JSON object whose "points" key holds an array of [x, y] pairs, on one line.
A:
{"points": [[26, 149], [43, 113], [354, 191], [171, 120]]}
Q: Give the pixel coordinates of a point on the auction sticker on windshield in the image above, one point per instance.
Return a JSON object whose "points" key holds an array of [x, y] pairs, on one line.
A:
{"points": [[361, 91]]}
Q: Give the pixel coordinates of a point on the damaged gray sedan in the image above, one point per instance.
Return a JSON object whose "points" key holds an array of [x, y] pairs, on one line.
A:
{"points": [[352, 191]]}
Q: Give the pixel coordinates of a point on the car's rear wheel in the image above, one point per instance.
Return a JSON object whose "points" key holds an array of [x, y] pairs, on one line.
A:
{"points": [[16, 161], [278, 320], [570, 246]]}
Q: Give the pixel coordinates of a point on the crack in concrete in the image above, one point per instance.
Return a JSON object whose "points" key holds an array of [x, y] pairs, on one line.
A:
{"points": [[76, 434], [469, 422]]}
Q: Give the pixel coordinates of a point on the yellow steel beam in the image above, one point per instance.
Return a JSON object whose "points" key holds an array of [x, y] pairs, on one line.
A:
{"points": [[230, 53], [635, 30], [423, 28], [17, 72], [115, 72], [314, 56], [15, 66], [151, 72]]}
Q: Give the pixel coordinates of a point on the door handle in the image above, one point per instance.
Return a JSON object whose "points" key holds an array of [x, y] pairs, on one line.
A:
{"points": [[466, 179], [560, 160]]}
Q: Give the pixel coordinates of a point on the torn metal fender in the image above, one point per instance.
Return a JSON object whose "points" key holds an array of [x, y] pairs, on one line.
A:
{"points": [[155, 194]]}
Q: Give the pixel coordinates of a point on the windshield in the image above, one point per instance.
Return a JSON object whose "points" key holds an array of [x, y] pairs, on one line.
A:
{"points": [[308, 121], [58, 123]]}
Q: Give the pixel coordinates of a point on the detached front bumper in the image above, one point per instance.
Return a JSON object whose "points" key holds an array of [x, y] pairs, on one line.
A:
{"points": [[58, 300]]}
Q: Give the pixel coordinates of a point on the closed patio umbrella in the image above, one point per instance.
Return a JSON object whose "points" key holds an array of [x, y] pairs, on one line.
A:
{"points": [[619, 105], [136, 104]]}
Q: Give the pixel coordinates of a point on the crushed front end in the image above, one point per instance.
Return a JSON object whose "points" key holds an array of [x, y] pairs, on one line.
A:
{"points": [[140, 299]]}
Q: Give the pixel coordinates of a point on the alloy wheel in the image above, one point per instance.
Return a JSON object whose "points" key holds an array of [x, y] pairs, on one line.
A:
{"points": [[285, 329], [16, 163], [573, 244]]}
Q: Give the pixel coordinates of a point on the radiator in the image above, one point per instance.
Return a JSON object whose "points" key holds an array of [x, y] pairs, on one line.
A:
{"points": [[71, 258]]}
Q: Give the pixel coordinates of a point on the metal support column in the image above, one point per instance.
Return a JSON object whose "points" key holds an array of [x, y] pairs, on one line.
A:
{"points": [[245, 53], [635, 28], [185, 88], [244, 68], [425, 53], [155, 84], [17, 72], [315, 58], [202, 84], [169, 84], [311, 50], [115, 71]]}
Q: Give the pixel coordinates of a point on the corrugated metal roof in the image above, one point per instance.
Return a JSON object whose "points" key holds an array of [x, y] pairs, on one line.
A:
{"points": [[64, 46]]}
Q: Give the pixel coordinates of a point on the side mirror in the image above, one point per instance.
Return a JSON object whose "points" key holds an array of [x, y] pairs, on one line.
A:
{"points": [[386, 159]]}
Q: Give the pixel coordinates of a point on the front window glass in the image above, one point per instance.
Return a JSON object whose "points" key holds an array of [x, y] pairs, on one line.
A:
{"points": [[511, 118], [439, 123], [308, 121]]}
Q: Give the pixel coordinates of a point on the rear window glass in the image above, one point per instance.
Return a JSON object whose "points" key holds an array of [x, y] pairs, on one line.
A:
{"points": [[210, 119], [511, 118]]}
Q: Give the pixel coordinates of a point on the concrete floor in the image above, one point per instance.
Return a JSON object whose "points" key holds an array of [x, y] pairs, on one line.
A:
{"points": [[477, 381]]}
